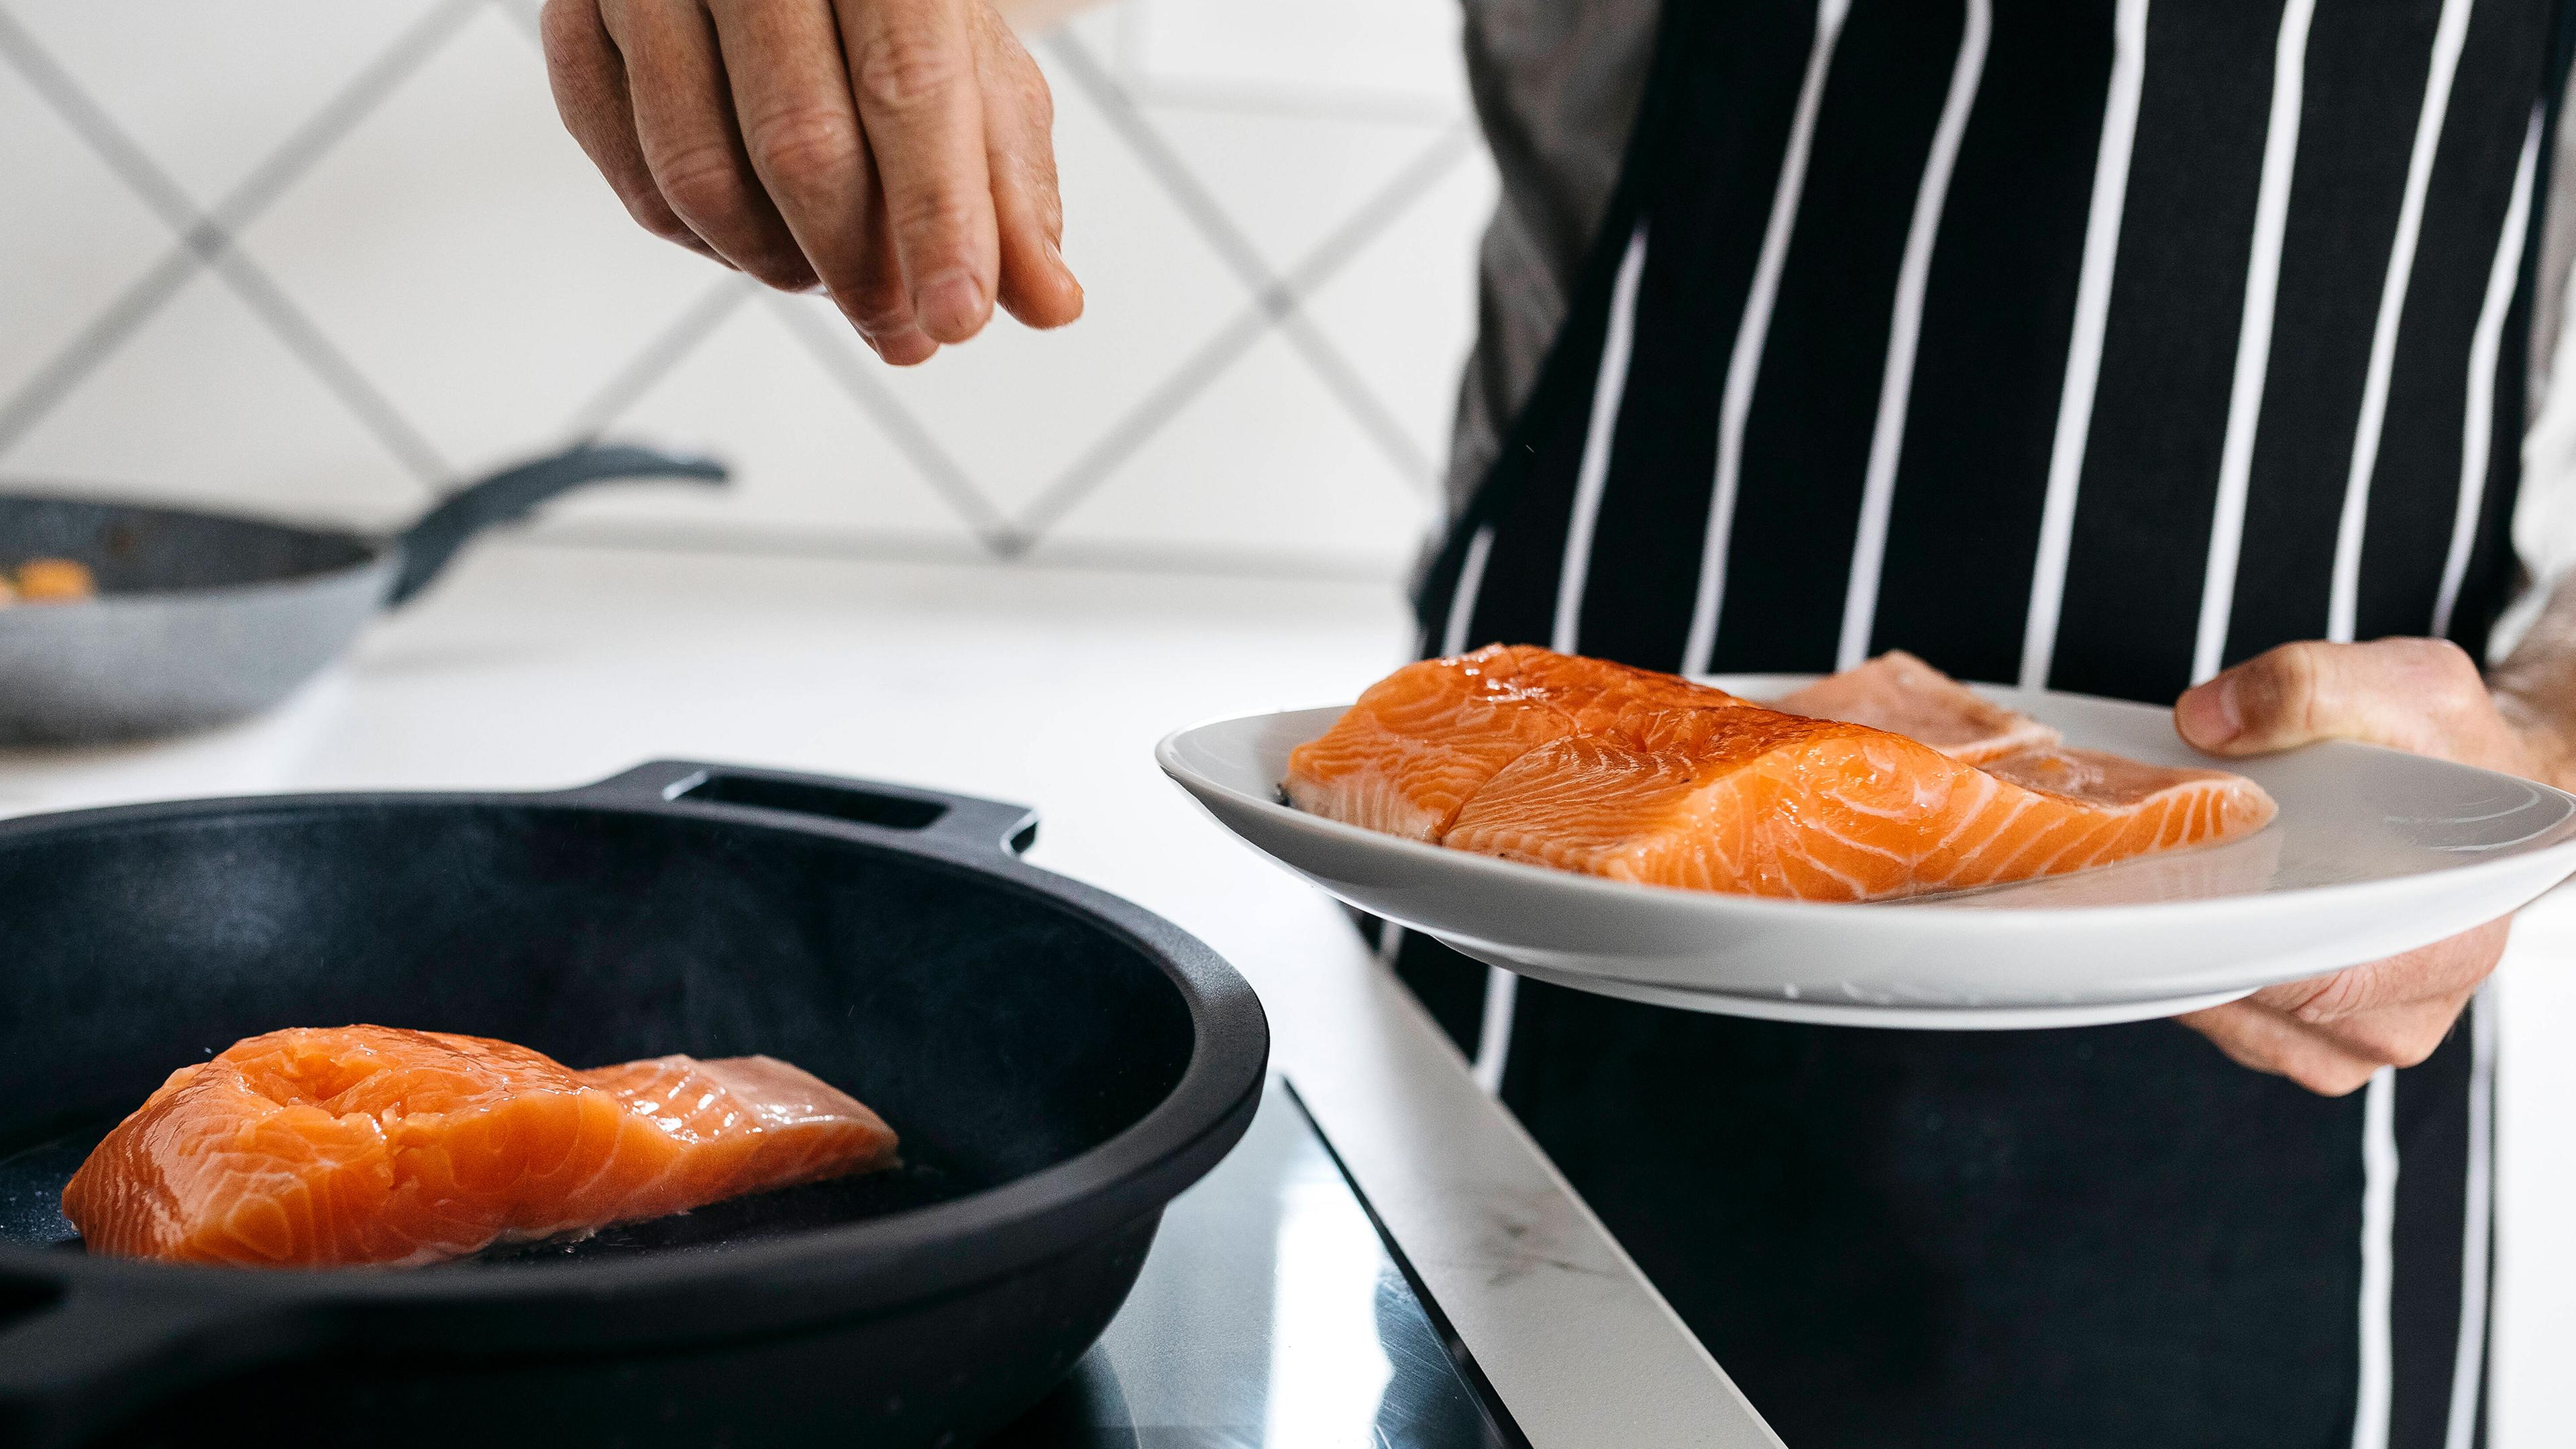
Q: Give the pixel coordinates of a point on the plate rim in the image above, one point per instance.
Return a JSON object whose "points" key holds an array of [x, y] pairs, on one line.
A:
{"points": [[1926, 910]]}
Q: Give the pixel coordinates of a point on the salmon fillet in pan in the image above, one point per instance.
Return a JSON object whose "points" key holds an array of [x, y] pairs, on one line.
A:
{"points": [[376, 1145]]}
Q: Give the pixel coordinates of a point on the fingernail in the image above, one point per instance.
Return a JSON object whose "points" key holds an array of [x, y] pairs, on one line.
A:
{"points": [[906, 349], [949, 305], [2207, 714]]}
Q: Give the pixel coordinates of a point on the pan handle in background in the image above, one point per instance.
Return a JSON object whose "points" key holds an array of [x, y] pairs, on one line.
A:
{"points": [[98, 1353], [918, 814], [429, 545]]}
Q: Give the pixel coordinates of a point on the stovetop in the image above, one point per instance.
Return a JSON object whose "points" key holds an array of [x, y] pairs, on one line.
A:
{"points": [[1272, 1312]]}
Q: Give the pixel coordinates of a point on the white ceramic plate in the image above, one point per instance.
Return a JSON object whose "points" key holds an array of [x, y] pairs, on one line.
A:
{"points": [[2374, 852]]}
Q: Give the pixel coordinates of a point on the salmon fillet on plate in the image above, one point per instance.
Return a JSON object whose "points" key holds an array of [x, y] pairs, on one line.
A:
{"points": [[357, 1145], [1884, 781]]}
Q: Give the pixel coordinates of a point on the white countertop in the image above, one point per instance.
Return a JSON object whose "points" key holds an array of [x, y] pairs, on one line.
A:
{"points": [[541, 665]]}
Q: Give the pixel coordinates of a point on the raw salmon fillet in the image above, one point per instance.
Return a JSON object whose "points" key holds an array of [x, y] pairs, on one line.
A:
{"points": [[1902, 695], [1422, 740], [1668, 783], [354, 1145]]}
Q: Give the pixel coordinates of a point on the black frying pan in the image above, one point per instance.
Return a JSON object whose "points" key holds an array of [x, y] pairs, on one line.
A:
{"points": [[1059, 1063], [204, 617]]}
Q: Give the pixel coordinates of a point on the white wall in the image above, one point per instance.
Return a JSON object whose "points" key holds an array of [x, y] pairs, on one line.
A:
{"points": [[416, 277]]}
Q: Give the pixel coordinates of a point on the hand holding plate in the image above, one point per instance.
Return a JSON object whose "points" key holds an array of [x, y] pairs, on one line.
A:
{"points": [[2330, 1033]]}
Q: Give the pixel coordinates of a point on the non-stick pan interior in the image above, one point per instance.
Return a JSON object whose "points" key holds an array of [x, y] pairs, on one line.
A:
{"points": [[135, 549], [998, 1031]]}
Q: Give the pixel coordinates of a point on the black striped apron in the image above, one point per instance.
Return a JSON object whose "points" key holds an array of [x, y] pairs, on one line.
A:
{"points": [[2089, 343]]}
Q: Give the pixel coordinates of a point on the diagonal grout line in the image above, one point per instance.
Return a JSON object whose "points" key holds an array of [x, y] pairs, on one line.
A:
{"points": [[330, 365], [1230, 343], [56, 86], [347, 106], [206, 239], [663, 353], [1194, 200], [1237, 250], [1129, 433], [1380, 211], [914, 441], [900, 546], [77, 358], [1373, 218]]}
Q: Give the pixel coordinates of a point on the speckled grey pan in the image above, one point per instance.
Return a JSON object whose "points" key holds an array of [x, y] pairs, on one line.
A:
{"points": [[203, 618]]}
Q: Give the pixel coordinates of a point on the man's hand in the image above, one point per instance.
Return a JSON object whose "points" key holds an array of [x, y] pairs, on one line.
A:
{"points": [[896, 153], [2425, 695]]}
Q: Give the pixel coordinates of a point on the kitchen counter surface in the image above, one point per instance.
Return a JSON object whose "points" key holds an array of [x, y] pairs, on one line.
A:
{"points": [[542, 664]]}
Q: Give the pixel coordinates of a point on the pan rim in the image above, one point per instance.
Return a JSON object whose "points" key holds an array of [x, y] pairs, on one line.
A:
{"points": [[375, 551], [872, 1264]]}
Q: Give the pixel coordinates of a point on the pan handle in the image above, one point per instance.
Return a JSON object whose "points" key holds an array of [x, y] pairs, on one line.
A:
{"points": [[429, 545], [906, 810], [96, 1354]]}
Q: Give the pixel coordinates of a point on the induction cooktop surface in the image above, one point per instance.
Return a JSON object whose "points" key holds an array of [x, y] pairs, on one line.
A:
{"points": [[1272, 1313]]}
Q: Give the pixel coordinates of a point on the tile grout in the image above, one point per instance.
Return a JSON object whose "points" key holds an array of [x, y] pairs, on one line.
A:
{"points": [[666, 350], [899, 546], [1336, 251], [1278, 302], [989, 526], [1177, 180], [206, 239], [349, 105], [61, 374], [1092, 468], [1279, 297], [330, 366]]}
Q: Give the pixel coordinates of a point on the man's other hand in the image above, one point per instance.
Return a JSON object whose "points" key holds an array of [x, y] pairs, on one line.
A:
{"points": [[2331, 1033], [896, 153]]}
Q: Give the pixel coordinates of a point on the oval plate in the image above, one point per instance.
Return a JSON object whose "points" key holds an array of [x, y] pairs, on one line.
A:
{"points": [[2374, 852]]}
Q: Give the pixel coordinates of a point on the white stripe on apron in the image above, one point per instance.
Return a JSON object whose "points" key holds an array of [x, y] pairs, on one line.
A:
{"points": [[1609, 388], [1905, 331], [2084, 347], [1471, 580], [1744, 364], [2254, 337], [2468, 1369], [2486, 348], [2378, 1257], [2344, 601]]}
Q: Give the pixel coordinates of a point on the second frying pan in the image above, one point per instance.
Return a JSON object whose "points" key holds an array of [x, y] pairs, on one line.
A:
{"points": [[203, 618]]}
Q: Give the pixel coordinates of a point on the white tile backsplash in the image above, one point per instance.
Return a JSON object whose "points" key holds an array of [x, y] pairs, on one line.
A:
{"points": [[803, 457], [73, 237], [1402, 297], [1264, 464], [470, 285], [1017, 407], [1288, 181], [459, 248], [1398, 51], [205, 407], [210, 90]]}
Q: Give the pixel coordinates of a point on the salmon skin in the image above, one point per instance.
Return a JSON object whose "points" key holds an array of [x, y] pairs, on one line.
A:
{"points": [[1586, 766], [336, 1147]]}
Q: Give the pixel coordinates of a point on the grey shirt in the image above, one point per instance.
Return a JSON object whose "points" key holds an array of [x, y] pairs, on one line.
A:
{"points": [[1556, 84]]}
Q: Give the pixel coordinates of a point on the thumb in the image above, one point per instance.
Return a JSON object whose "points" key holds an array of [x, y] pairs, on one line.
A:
{"points": [[2423, 695]]}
